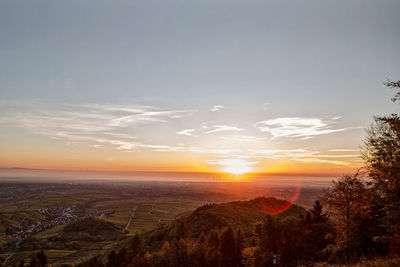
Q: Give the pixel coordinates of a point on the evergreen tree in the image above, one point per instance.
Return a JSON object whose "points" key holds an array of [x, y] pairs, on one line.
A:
{"points": [[227, 247], [181, 230], [239, 247], [318, 216], [316, 232], [307, 220], [34, 262], [41, 256], [258, 233], [137, 246], [122, 257], [213, 240], [112, 260]]}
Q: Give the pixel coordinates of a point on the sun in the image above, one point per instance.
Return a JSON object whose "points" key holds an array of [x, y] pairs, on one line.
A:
{"points": [[237, 166]]}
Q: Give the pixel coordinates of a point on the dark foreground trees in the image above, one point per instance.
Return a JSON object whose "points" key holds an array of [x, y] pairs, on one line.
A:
{"points": [[366, 212], [381, 153], [382, 161], [354, 213]]}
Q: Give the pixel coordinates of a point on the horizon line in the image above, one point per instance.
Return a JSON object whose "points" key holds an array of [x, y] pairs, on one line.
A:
{"points": [[182, 172]]}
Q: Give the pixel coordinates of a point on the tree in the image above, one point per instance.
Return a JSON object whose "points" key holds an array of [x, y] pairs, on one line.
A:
{"points": [[394, 85], [213, 240], [182, 231], [248, 257], [137, 246], [316, 233], [41, 256], [258, 232], [352, 209], [212, 243], [112, 259], [239, 247], [227, 247], [34, 262], [381, 153], [291, 242], [318, 216]]}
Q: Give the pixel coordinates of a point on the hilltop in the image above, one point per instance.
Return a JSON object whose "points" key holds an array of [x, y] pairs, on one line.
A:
{"points": [[237, 214], [213, 235]]}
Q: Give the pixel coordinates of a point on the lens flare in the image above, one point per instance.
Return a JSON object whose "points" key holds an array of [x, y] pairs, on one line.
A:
{"points": [[280, 206]]}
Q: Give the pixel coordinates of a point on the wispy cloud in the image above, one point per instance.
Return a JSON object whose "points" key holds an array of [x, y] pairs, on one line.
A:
{"points": [[344, 150], [223, 128], [298, 127], [188, 132], [316, 160], [217, 108], [222, 151], [103, 125], [282, 153], [304, 155], [243, 138]]}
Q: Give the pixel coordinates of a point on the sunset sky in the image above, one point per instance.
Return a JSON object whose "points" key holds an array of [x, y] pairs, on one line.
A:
{"points": [[232, 86]]}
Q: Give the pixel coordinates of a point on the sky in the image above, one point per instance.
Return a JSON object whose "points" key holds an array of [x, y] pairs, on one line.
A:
{"points": [[203, 86]]}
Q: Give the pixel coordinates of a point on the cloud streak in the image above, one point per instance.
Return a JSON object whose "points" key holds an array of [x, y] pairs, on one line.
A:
{"points": [[223, 128], [303, 155], [217, 108], [188, 132], [298, 127], [103, 125]]}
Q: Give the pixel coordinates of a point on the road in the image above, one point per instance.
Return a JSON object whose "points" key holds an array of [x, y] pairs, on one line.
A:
{"points": [[20, 223], [132, 212], [9, 256]]}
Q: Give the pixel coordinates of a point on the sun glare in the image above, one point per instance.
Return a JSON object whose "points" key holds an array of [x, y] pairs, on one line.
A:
{"points": [[237, 166]]}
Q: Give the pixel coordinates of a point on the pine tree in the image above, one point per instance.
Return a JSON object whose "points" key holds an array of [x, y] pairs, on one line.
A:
{"points": [[34, 262], [318, 216], [182, 230], [112, 259], [137, 245], [239, 247], [41, 256], [227, 247]]}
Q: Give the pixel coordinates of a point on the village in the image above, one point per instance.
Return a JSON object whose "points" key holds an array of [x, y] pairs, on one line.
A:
{"points": [[54, 217]]}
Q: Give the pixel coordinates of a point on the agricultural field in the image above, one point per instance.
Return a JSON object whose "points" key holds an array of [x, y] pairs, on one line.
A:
{"points": [[37, 219]]}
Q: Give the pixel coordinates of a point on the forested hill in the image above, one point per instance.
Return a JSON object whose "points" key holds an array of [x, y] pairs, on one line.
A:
{"points": [[228, 234], [238, 214]]}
